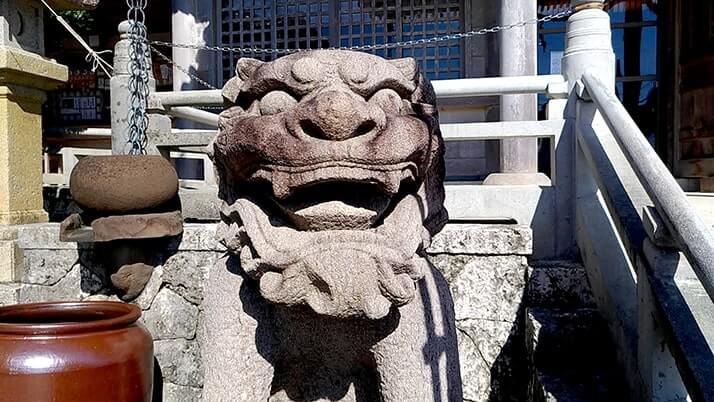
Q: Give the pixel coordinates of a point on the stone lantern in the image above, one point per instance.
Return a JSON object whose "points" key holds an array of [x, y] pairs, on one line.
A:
{"points": [[25, 76]]}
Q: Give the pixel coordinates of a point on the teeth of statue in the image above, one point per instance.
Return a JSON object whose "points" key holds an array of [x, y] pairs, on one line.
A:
{"points": [[407, 175], [281, 188], [392, 181]]}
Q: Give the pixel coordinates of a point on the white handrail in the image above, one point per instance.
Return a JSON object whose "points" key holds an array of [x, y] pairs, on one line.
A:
{"points": [[495, 86], [692, 234], [445, 89], [188, 98]]}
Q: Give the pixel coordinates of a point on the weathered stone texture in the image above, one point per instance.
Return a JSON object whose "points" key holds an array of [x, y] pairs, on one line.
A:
{"points": [[47, 267], [9, 294], [179, 393], [10, 261], [132, 279], [488, 288], [43, 236], [146, 298], [143, 226], [171, 317], [199, 237], [474, 239], [123, 184], [180, 362], [481, 343], [186, 274], [66, 289], [488, 298]]}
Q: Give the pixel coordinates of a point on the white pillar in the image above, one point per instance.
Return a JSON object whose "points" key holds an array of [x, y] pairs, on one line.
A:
{"points": [[518, 57], [588, 43]]}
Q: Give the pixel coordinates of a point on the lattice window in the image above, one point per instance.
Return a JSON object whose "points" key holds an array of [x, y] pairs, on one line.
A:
{"points": [[343, 23]]}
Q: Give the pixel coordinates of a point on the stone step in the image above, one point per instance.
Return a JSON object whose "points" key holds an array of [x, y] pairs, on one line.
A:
{"points": [[572, 358], [558, 284]]}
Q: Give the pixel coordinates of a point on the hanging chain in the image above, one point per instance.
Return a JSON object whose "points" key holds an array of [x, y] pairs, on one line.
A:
{"points": [[408, 43], [167, 59], [139, 56]]}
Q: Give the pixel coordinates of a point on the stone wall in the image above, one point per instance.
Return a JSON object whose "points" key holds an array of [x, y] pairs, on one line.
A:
{"points": [[485, 264]]}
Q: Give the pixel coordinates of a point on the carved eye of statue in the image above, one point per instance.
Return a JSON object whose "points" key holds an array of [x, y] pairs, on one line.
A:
{"points": [[388, 100], [275, 102], [356, 71], [307, 70]]}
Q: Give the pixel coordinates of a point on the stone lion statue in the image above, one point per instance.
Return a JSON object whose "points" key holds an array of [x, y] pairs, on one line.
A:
{"points": [[330, 167]]}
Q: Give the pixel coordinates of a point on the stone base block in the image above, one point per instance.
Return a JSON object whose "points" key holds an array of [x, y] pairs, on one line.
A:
{"points": [[122, 227], [180, 393], [9, 294], [517, 179], [488, 294], [10, 261], [23, 217], [138, 226]]}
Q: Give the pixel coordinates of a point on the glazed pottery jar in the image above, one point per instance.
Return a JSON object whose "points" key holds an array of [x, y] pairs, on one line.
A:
{"points": [[74, 352]]}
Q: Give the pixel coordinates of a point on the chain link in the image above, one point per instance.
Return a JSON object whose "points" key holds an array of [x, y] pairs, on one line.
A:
{"points": [[139, 56], [393, 45], [167, 59]]}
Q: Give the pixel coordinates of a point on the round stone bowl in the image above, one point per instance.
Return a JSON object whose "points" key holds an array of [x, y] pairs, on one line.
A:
{"points": [[122, 184], [69, 352]]}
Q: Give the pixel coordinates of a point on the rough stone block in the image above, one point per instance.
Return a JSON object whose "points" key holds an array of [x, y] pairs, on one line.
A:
{"points": [[43, 236], [9, 294], [171, 317], [146, 298], [146, 226], [199, 237], [489, 288], [457, 238], [132, 279], [488, 294], [481, 351], [67, 289], [10, 261], [180, 362], [200, 204], [179, 393], [102, 298], [47, 267], [186, 274]]}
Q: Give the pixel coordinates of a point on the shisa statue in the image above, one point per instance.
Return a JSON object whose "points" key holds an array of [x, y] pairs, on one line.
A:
{"points": [[331, 170]]}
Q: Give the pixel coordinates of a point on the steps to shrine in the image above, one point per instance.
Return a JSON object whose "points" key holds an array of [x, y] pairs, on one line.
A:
{"points": [[571, 357]]}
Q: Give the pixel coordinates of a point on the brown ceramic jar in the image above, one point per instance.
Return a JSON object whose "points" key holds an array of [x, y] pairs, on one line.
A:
{"points": [[74, 352]]}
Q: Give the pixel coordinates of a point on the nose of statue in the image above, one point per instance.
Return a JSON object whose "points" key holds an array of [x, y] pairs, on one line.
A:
{"points": [[337, 116]]}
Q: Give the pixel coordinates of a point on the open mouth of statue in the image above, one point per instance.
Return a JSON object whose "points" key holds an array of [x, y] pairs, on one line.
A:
{"points": [[340, 196]]}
